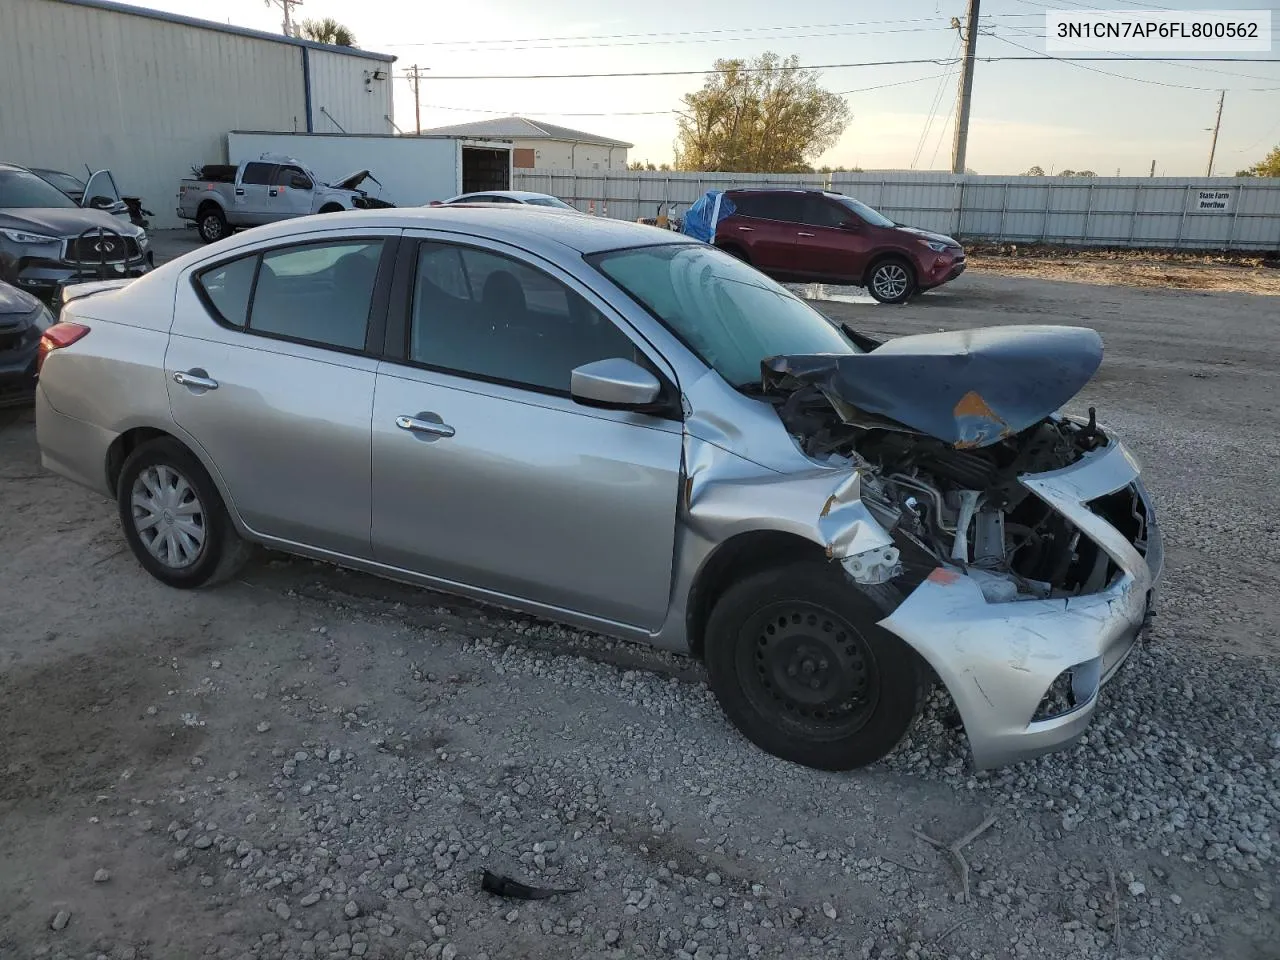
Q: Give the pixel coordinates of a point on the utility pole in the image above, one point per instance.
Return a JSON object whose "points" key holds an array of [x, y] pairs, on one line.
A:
{"points": [[970, 37], [1153, 168], [415, 75], [1213, 144], [287, 6]]}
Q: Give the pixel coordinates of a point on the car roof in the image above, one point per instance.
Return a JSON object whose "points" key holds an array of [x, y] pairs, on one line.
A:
{"points": [[527, 227], [5, 165], [515, 194]]}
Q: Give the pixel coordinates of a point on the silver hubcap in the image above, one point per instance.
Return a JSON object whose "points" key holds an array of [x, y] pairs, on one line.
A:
{"points": [[168, 516], [890, 281], [212, 228]]}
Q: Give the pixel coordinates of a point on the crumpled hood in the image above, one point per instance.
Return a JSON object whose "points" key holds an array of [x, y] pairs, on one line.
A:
{"points": [[14, 301], [60, 222], [930, 235], [968, 388]]}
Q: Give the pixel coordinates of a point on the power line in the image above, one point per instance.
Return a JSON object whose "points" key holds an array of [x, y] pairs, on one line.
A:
{"points": [[655, 113], [1022, 31], [937, 61], [650, 43], [685, 33], [1076, 62], [933, 107]]}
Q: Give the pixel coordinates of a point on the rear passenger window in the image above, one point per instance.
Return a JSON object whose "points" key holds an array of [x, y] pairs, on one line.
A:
{"points": [[227, 288], [257, 173], [319, 293]]}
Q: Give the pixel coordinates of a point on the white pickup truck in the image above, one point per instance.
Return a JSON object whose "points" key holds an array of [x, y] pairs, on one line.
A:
{"points": [[222, 198]]}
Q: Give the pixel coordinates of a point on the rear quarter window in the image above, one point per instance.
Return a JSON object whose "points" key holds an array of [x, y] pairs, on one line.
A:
{"points": [[227, 288]]}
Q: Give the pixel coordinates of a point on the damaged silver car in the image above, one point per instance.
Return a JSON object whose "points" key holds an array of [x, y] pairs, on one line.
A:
{"points": [[637, 434]]}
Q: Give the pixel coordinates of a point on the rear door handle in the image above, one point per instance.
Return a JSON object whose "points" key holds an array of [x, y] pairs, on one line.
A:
{"points": [[803, 234], [239, 191], [198, 380], [427, 424], [746, 229]]}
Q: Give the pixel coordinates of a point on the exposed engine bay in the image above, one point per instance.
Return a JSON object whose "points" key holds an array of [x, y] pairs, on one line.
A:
{"points": [[943, 480]]}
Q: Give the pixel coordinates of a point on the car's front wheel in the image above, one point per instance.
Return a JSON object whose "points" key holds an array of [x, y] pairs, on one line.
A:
{"points": [[891, 281], [799, 665], [174, 519]]}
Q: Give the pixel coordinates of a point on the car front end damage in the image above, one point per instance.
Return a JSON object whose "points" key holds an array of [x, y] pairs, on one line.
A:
{"points": [[1021, 545]]}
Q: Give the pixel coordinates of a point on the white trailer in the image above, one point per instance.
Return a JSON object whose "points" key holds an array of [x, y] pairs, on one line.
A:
{"points": [[413, 170]]}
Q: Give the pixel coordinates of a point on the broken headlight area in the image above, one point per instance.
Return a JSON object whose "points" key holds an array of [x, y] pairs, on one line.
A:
{"points": [[966, 507]]}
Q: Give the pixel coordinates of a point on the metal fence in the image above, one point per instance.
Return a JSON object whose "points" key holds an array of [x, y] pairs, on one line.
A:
{"points": [[1216, 213]]}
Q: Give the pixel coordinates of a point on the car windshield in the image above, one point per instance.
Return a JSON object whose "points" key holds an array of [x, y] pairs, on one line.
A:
{"points": [[727, 312], [21, 189], [63, 181], [873, 217], [548, 202]]}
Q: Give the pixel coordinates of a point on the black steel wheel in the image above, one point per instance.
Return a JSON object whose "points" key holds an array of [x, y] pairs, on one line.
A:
{"points": [[800, 666]]}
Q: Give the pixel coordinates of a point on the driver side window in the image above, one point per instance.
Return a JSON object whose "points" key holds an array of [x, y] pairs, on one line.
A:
{"points": [[821, 212], [483, 314]]}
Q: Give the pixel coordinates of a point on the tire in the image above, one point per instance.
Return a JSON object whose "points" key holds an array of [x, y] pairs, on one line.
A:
{"points": [[891, 280], [798, 664], [332, 208], [212, 224], [163, 483]]}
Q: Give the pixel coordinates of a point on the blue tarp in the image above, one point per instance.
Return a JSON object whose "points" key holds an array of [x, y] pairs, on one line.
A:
{"points": [[700, 222]]}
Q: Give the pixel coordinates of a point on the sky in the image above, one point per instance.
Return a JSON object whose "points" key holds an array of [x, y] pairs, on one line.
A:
{"points": [[1052, 114]]}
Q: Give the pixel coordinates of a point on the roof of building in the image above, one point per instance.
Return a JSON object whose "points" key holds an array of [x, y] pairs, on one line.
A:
{"points": [[519, 128], [178, 18]]}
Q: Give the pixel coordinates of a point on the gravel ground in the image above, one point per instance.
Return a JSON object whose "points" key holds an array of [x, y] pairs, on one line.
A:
{"points": [[312, 763]]}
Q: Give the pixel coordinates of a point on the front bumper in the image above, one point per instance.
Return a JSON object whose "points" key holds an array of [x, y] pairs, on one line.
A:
{"points": [[998, 660], [943, 271], [17, 378], [45, 278]]}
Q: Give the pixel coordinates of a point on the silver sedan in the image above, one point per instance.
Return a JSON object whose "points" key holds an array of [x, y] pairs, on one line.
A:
{"points": [[632, 432]]}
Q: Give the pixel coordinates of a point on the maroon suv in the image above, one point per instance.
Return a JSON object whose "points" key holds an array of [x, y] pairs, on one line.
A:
{"points": [[811, 235]]}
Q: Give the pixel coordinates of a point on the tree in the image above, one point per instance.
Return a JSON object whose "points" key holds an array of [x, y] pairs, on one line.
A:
{"points": [[1036, 171], [640, 165], [1268, 166], [328, 31], [766, 115]]}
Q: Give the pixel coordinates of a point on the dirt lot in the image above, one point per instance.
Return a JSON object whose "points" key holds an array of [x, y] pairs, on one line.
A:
{"points": [[312, 763], [1159, 274]]}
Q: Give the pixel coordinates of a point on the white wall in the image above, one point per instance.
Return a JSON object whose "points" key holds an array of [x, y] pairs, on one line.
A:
{"points": [[413, 170], [565, 155], [338, 87], [1118, 211], [144, 97]]}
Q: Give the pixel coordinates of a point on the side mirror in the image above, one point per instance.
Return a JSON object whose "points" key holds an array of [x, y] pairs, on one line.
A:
{"points": [[101, 203], [615, 384], [299, 182]]}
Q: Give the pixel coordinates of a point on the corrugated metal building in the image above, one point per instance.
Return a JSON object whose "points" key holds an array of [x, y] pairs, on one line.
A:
{"points": [[147, 93]]}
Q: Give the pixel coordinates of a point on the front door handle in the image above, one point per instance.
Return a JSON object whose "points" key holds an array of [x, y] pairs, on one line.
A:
{"points": [[746, 229], [426, 424], [803, 234], [196, 379]]}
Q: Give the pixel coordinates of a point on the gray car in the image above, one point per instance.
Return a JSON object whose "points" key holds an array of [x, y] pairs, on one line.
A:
{"points": [[47, 240], [629, 431]]}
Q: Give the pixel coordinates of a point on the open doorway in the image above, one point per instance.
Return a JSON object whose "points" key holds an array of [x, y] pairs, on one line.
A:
{"points": [[485, 169]]}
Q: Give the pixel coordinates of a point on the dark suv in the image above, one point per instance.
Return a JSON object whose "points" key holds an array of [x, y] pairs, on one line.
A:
{"points": [[812, 235]]}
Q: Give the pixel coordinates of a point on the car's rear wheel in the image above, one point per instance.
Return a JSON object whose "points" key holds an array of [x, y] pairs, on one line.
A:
{"points": [[174, 519], [212, 225], [332, 208], [891, 281], [799, 665]]}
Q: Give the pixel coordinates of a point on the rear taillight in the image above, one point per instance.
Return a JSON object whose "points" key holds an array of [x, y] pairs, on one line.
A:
{"points": [[58, 336]]}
